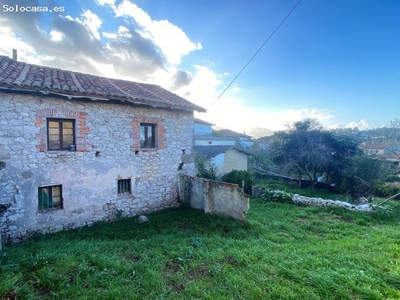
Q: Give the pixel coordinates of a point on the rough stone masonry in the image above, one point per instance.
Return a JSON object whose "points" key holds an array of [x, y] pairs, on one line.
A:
{"points": [[107, 149]]}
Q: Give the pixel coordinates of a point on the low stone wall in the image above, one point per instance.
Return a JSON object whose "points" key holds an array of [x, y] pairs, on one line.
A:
{"points": [[326, 202], [298, 199], [214, 197]]}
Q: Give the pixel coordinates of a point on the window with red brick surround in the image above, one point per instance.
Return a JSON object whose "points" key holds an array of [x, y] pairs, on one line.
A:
{"points": [[153, 129], [81, 129]]}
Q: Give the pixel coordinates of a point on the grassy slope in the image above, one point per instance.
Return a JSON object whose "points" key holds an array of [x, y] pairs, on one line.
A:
{"points": [[283, 252]]}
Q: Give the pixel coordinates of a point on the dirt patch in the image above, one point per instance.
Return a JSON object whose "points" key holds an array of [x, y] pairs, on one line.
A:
{"points": [[199, 272], [172, 267]]}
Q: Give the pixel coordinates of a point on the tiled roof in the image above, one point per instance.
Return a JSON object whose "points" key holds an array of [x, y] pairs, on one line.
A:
{"points": [[196, 120], [212, 151], [20, 76]]}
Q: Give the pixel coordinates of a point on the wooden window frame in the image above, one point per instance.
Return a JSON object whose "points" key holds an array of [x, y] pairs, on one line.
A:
{"points": [[61, 134], [150, 141], [50, 194]]}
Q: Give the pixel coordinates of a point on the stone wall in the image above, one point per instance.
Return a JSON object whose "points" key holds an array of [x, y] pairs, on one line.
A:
{"points": [[214, 197], [311, 201], [107, 149], [257, 191]]}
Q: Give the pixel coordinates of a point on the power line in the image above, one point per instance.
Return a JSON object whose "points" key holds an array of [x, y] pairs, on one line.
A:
{"points": [[259, 49]]}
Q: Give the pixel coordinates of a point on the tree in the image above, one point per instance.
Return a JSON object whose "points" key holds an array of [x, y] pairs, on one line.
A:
{"points": [[309, 152], [362, 173]]}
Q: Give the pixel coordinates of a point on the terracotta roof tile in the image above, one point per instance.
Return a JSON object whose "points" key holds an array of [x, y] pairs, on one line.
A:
{"points": [[20, 76]]}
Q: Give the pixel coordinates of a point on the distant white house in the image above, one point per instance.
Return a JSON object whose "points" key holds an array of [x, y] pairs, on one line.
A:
{"points": [[245, 141], [202, 127], [219, 149], [203, 135], [226, 158]]}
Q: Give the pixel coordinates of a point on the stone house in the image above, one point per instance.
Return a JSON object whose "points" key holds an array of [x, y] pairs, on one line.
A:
{"points": [[77, 148]]}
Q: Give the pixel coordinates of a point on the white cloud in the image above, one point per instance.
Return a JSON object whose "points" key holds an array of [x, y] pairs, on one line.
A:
{"points": [[300, 114], [105, 2], [56, 36], [361, 125], [232, 113], [172, 40], [236, 89], [91, 21], [11, 41], [109, 35], [203, 88]]}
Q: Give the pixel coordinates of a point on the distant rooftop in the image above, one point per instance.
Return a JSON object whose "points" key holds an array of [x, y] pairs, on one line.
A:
{"points": [[196, 120], [212, 151], [231, 133]]}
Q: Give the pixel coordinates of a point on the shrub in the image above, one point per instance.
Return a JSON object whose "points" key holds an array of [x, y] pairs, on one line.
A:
{"points": [[386, 190], [238, 176], [205, 168], [277, 196]]}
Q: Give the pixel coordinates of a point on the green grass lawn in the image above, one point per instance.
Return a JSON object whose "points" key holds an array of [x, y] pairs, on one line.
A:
{"points": [[284, 251]]}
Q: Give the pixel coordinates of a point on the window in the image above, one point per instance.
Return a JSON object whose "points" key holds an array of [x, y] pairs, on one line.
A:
{"points": [[60, 134], [50, 197], [147, 135], [124, 186]]}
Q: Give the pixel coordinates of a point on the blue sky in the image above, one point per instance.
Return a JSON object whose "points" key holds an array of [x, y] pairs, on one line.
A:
{"points": [[334, 60]]}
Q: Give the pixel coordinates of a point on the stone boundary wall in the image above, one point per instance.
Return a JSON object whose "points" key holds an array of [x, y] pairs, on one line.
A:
{"points": [[298, 199], [213, 197]]}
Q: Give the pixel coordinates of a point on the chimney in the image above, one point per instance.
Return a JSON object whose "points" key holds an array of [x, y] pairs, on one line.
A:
{"points": [[14, 51]]}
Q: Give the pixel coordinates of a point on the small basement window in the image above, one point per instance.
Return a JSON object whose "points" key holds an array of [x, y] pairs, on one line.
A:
{"points": [[124, 186], [50, 197]]}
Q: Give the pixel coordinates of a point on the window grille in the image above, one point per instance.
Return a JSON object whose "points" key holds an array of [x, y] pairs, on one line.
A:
{"points": [[124, 186]]}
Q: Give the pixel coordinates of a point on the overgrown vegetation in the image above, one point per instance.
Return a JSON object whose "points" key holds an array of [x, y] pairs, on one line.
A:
{"points": [[205, 168], [383, 189], [277, 196], [238, 177], [306, 151], [284, 251]]}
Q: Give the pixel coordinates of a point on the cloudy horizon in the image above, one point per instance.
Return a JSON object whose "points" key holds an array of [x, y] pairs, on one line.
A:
{"points": [[123, 39]]}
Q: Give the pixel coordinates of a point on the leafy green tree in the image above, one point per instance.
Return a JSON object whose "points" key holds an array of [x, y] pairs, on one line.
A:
{"points": [[307, 151]]}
